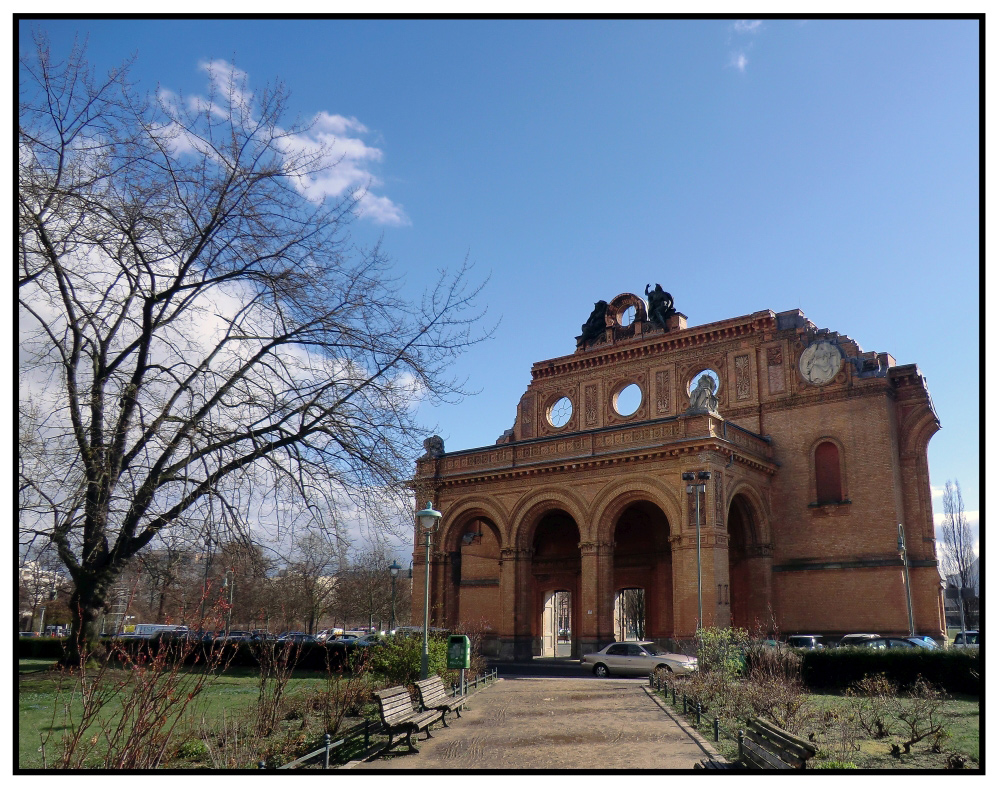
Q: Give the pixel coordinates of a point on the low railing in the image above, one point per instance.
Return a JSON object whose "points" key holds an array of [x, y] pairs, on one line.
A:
{"points": [[358, 738]]}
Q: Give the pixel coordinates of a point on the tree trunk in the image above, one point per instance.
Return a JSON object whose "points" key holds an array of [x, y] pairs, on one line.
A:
{"points": [[86, 605]]}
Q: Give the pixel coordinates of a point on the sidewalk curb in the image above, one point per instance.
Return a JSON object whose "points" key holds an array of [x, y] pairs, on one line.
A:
{"points": [[699, 740]]}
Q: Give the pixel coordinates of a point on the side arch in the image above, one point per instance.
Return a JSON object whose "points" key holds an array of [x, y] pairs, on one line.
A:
{"points": [[758, 509], [455, 518]]}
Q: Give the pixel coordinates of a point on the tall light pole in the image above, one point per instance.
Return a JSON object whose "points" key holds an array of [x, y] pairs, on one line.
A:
{"points": [[905, 565], [394, 572], [204, 586], [702, 477], [230, 583], [428, 519]]}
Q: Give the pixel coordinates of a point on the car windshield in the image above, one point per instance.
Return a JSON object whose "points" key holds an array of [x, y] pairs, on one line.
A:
{"points": [[653, 649]]}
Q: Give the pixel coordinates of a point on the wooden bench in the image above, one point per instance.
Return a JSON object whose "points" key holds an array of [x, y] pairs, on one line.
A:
{"points": [[399, 716], [765, 746], [434, 696]]}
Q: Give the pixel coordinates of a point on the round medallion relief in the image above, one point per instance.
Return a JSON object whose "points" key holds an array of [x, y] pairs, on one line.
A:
{"points": [[820, 362]]}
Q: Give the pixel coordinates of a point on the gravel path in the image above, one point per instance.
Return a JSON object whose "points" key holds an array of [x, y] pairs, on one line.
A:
{"points": [[535, 723]]}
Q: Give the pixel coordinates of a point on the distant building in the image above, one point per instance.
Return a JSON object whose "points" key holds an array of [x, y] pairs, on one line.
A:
{"points": [[951, 610], [576, 528]]}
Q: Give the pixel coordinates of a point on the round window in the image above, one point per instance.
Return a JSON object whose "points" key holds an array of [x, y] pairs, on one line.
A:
{"points": [[628, 399], [560, 412], [626, 317]]}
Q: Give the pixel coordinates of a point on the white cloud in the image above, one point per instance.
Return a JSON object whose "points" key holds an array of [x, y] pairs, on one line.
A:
{"points": [[739, 61], [336, 139], [936, 492], [747, 26]]}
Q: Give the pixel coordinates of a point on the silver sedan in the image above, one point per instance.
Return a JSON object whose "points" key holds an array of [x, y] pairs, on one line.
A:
{"points": [[636, 658]]}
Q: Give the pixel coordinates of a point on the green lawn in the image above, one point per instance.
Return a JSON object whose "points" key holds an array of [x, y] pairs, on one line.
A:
{"points": [[41, 704]]}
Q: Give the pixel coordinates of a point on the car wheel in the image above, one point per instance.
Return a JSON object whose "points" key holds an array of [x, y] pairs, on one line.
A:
{"points": [[600, 671]]}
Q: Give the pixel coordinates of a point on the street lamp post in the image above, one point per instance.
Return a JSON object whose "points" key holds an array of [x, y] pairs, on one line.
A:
{"points": [[428, 519], [394, 571], [905, 566], [702, 477], [230, 583], [204, 585]]}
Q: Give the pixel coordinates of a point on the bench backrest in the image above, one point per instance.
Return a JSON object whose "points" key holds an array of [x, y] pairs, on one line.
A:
{"points": [[766, 746], [431, 691], [394, 704]]}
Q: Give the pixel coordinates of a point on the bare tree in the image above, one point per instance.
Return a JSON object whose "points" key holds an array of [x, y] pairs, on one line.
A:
{"points": [[200, 341], [958, 554], [364, 594]]}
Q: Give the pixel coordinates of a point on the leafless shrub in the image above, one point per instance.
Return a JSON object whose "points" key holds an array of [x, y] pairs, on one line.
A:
{"points": [[152, 687], [911, 717], [874, 700], [277, 663], [343, 693], [919, 714]]}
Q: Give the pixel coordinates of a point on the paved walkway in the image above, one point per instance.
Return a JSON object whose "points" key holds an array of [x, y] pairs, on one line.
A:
{"points": [[554, 723]]}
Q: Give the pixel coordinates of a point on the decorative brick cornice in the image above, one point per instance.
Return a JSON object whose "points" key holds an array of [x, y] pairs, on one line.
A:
{"points": [[657, 344]]}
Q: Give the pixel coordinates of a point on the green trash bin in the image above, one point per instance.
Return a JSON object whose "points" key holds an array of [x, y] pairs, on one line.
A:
{"points": [[459, 652]]}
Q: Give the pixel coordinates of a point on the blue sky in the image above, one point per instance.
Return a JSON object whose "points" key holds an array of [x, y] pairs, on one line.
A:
{"points": [[825, 165]]}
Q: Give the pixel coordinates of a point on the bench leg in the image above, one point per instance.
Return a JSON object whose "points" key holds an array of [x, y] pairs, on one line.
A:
{"points": [[409, 741], [444, 720]]}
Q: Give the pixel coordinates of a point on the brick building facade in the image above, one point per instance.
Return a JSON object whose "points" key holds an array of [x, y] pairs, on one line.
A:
{"points": [[577, 528]]}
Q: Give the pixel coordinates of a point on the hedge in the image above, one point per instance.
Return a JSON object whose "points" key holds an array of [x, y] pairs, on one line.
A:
{"points": [[40, 648], [954, 670]]}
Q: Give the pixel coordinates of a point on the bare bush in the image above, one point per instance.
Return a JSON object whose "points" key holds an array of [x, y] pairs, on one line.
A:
{"points": [[883, 711], [131, 704], [874, 699], [277, 662]]}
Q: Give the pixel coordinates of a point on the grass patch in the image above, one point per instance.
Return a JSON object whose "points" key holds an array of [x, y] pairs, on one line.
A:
{"points": [[231, 695]]}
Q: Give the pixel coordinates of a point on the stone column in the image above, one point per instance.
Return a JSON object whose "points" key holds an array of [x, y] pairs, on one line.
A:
{"points": [[596, 602], [513, 588], [714, 564]]}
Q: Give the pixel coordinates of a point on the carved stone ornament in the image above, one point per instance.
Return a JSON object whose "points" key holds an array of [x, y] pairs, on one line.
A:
{"points": [[702, 398], [434, 446], [660, 306], [820, 363], [595, 325]]}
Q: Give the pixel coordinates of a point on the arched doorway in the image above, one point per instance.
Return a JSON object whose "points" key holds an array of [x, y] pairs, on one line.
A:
{"points": [[643, 574], [555, 569], [474, 557], [748, 569]]}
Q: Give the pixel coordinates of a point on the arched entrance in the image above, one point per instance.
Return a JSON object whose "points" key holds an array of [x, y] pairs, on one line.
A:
{"points": [[555, 570], [748, 568], [643, 574]]}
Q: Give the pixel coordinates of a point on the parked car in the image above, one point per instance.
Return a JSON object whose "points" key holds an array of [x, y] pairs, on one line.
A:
{"points": [[967, 639], [856, 639], [804, 641], [297, 637], [924, 641], [235, 636], [890, 643], [636, 658]]}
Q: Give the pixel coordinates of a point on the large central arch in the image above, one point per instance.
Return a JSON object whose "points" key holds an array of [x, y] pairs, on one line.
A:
{"points": [[555, 575]]}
